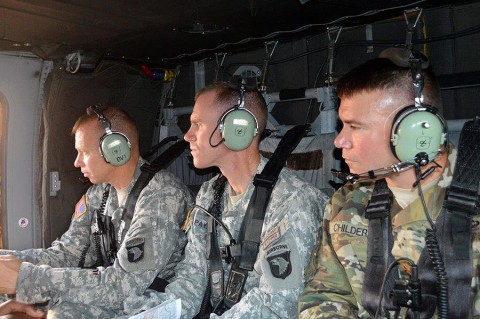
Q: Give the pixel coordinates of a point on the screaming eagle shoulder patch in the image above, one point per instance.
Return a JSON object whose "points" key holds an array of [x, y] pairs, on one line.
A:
{"points": [[135, 249], [81, 207], [278, 258]]}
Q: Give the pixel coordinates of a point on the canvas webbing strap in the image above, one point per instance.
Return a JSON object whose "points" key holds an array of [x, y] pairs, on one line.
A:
{"points": [[148, 171], [251, 229], [380, 243], [454, 232]]}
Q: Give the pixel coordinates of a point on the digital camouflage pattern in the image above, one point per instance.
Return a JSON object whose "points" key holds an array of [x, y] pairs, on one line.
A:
{"points": [[288, 237], [152, 247], [335, 273]]}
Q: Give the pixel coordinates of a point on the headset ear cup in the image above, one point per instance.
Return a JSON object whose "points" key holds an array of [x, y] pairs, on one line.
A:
{"points": [[238, 128], [115, 148], [417, 130]]}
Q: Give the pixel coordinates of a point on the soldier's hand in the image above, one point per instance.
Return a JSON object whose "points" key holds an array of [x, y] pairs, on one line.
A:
{"points": [[12, 306], [9, 268]]}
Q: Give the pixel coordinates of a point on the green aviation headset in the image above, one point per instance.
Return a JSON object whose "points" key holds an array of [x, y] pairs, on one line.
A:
{"points": [[418, 131], [114, 146], [238, 125]]}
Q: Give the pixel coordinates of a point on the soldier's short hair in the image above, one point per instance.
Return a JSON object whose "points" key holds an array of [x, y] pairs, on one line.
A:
{"points": [[227, 96], [383, 74], [119, 119]]}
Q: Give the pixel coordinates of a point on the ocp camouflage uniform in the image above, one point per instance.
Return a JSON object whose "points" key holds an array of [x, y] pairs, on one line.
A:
{"points": [[152, 247], [335, 273], [271, 290]]}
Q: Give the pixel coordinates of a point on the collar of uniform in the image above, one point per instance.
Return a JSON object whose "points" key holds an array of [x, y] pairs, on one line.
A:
{"points": [[261, 165], [138, 171], [136, 175]]}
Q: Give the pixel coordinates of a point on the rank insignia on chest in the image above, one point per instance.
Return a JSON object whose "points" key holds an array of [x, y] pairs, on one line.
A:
{"points": [[135, 249], [81, 207], [278, 258]]}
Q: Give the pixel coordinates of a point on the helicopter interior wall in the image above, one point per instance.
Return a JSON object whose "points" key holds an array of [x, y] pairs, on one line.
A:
{"points": [[21, 115]]}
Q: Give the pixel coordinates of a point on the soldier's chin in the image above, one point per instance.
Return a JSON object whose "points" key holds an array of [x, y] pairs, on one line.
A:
{"points": [[197, 164], [354, 170], [93, 180]]}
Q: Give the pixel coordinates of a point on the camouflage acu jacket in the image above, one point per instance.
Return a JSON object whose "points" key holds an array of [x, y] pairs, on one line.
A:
{"points": [[272, 288], [152, 247], [335, 273]]}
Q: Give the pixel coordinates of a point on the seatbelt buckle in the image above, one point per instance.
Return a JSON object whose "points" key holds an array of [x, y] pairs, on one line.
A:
{"points": [[148, 168], [264, 181], [225, 254], [97, 226], [229, 252], [378, 206], [462, 200], [407, 293]]}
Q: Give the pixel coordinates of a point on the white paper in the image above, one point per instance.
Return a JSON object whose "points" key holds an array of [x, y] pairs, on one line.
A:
{"points": [[170, 309]]}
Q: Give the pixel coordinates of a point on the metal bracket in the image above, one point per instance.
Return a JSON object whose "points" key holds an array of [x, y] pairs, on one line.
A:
{"points": [[219, 63], [55, 183], [269, 49], [416, 12], [333, 35]]}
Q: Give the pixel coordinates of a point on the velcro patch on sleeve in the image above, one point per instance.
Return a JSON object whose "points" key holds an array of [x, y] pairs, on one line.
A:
{"points": [[278, 258], [135, 249], [282, 265], [81, 207], [275, 233]]}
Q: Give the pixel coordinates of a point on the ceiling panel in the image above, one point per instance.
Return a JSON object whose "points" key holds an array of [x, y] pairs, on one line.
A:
{"points": [[170, 32]]}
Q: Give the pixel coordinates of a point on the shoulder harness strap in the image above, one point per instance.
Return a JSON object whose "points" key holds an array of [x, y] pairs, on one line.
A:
{"points": [[454, 232], [148, 171], [251, 229], [380, 243]]}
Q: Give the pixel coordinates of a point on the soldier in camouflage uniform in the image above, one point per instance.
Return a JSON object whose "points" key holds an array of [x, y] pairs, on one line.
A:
{"points": [[371, 95], [151, 247], [289, 228]]}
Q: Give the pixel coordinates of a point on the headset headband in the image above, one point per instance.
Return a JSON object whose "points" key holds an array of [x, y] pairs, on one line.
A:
{"points": [[97, 109]]}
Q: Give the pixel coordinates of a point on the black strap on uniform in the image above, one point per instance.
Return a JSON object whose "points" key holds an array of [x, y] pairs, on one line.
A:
{"points": [[251, 229], [454, 232], [462, 203], [454, 229], [148, 172], [214, 289], [380, 243], [213, 250], [97, 228]]}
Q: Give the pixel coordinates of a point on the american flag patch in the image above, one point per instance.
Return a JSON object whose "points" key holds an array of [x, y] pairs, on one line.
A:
{"points": [[81, 207]]}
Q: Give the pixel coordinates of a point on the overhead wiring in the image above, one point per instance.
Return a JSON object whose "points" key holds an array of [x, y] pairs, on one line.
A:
{"points": [[387, 43], [297, 30]]}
